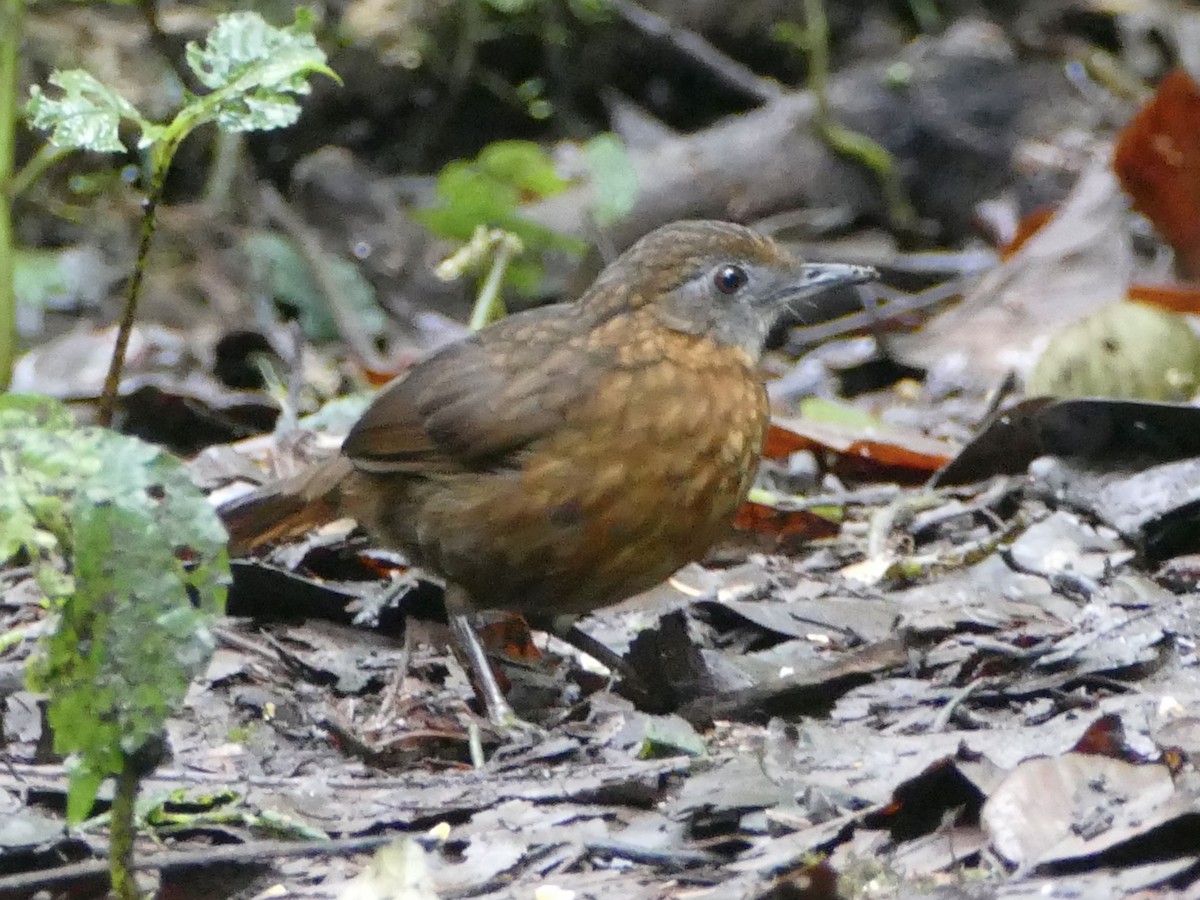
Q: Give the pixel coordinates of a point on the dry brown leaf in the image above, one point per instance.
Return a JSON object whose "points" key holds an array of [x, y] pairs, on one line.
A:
{"points": [[1158, 163]]}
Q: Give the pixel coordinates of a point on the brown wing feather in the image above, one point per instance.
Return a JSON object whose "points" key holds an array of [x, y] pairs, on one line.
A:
{"points": [[478, 402]]}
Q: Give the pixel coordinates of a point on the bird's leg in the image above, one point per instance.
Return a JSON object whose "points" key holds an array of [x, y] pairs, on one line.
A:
{"points": [[460, 615], [497, 707]]}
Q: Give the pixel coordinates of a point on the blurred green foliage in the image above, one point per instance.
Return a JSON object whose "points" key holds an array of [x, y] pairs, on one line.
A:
{"points": [[280, 270], [614, 181], [131, 558], [488, 192]]}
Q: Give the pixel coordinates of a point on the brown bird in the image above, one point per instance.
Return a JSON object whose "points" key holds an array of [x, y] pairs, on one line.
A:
{"points": [[568, 457]]}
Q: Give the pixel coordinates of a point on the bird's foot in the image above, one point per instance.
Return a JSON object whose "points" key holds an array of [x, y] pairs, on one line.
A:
{"points": [[514, 731], [510, 725]]}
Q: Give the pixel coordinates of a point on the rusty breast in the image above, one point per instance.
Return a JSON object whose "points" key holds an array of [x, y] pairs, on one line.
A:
{"points": [[644, 476]]}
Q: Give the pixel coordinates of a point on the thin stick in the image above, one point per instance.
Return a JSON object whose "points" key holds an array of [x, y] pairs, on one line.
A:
{"points": [[315, 257], [246, 854], [121, 831], [844, 141], [697, 49], [112, 381]]}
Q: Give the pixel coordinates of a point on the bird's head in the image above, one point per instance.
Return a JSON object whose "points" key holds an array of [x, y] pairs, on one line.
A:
{"points": [[718, 279]]}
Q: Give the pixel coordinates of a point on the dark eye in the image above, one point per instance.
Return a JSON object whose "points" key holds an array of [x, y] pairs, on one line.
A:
{"points": [[730, 279]]}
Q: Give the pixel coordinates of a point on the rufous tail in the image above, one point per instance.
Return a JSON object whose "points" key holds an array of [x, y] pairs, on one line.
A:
{"points": [[287, 507]]}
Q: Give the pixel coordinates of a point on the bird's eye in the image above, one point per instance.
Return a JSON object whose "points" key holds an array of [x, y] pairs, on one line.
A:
{"points": [[730, 279]]}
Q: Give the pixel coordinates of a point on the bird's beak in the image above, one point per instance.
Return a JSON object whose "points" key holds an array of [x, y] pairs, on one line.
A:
{"points": [[809, 279], [816, 277]]}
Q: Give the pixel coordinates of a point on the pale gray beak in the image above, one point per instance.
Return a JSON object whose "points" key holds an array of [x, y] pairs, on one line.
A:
{"points": [[816, 277]]}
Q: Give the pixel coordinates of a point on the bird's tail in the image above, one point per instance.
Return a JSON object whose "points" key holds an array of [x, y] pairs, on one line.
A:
{"points": [[287, 507]]}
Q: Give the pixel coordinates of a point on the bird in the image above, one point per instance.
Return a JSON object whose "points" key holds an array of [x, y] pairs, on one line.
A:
{"points": [[568, 457]]}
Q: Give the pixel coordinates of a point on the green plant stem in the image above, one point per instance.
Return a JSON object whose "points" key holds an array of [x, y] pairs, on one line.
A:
{"points": [[227, 156], [926, 15], [11, 29], [121, 832], [112, 381], [844, 141], [489, 305], [29, 174], [816, 27]]}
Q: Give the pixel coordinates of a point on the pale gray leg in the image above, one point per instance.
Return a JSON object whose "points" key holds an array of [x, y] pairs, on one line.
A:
{"points": [[460, 614]]}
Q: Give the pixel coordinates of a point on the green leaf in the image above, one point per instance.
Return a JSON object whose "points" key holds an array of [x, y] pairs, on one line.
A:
{"points": [[614, 181], [592, 12], [254, 71], [522, 165], [82, 785], [33, 411], [510, 7], [86, 117], [819, 409], [280, 269], [133, 560], [667, 736], [487, 192]]}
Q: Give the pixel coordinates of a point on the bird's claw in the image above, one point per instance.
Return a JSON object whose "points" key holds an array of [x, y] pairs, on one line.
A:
{"points": [[513, 726]]}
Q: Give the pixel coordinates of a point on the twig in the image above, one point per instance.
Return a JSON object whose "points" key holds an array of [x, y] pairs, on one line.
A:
{"points": [[942, 721], [37, 165], [697, 49], [844, 141], [121, 832], [163, 44], [494, 244], [315, 257], [112, 381], [253, 853], [1008, 386], [489, 305], [870, 318]]}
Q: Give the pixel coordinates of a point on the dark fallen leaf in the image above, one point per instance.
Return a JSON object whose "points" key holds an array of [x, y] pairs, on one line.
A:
{"points": [[667, 661], [1095, 429], [806, 692], [940, 795], [1156, 508]]}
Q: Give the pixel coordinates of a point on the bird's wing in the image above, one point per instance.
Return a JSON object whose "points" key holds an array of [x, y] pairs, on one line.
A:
{"points": [[476, 403]]}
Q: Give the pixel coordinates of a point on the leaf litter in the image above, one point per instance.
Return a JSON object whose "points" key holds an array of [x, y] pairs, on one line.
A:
{"points": [[984, 689]]}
